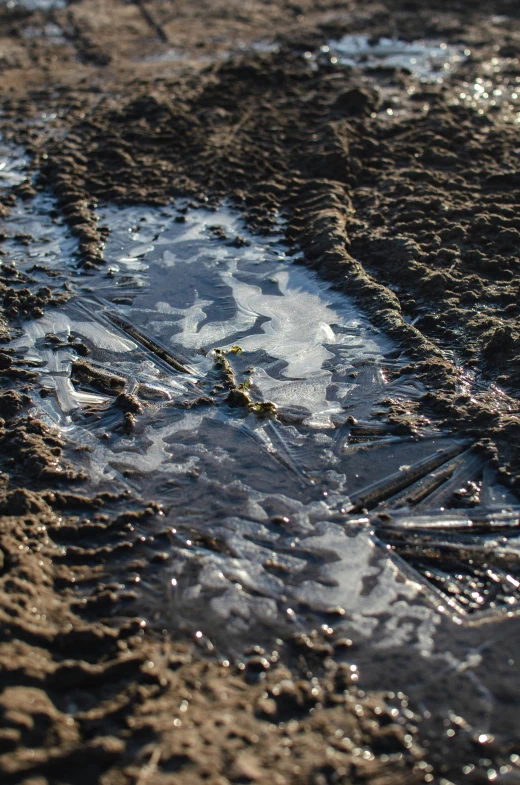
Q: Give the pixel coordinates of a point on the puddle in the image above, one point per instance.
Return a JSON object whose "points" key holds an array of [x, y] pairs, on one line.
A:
{"points": [[33, 5], [169, 54], [166, 56], [267, 504], [312, 511], [263, 46], [12, 166], [497, 89], [53, 33], [381, 64], [428, 61]]}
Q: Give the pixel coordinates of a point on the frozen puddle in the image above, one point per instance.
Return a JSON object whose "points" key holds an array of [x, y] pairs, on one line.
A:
{"points": [[429, 61], [496, 90], [12, 166], [34, 5], [380, 64], [208, 371]]}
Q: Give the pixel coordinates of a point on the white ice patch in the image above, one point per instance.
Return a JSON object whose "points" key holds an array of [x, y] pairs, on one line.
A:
{"points": [[352, 577], [297, 326], [60, 324], [102, 337]]}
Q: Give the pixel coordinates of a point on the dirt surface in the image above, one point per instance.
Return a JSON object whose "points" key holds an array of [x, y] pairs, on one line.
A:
{"points": [[399, 191]]}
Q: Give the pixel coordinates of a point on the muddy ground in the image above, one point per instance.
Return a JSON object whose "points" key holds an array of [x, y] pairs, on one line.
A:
{"points": [[402, 193]]}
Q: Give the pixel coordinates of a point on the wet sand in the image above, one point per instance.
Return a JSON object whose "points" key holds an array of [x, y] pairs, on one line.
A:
{"points": [[379, 144]]}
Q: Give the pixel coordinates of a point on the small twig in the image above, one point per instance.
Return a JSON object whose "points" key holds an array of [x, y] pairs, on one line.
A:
{"points": [[154, 24], [150, 767]]}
